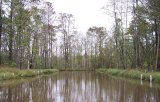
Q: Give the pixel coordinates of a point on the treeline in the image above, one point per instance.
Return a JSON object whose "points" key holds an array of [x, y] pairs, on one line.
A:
{"points": [[26, 33], [33, 35], [136, 45]]}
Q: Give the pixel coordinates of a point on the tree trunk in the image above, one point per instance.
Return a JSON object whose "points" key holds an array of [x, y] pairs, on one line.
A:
{"points": [[0, 31], [157, 35], [158, 54], [11, 33]]}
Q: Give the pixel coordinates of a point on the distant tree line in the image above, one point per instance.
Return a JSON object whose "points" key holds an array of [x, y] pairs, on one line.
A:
{"points": [[33, 35]]}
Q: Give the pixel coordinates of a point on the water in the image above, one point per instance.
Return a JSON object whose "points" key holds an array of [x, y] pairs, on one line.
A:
{"points": [[78, 87]]}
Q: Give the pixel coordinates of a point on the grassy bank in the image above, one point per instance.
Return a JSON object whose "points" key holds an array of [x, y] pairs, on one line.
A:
{"points": [[69, 69], [134, 74], [13, 73]]}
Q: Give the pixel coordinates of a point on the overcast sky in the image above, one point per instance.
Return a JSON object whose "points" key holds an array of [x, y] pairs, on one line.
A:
{"points": [[87, 13]]}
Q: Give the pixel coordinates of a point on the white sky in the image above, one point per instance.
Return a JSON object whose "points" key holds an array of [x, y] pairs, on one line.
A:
{"points": [[87, 13]]}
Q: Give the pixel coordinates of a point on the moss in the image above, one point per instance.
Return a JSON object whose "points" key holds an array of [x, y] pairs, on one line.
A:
{"points": [[130, 73]]}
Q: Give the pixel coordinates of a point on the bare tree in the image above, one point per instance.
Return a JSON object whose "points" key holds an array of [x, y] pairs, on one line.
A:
{"points": [[66, 27]]}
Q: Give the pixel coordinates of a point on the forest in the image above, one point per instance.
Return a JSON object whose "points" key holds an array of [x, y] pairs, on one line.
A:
{"points": [[33, 35]]}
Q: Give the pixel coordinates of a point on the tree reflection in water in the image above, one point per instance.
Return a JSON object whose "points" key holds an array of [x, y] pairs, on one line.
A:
{"points": [[79, 87]]}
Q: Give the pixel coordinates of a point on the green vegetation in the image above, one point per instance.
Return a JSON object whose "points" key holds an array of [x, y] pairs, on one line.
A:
{"points": [[12, 73], [130, 73], [30, 36], [70, 69]]}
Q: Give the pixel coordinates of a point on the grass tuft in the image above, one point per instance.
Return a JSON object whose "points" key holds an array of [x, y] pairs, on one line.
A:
{"points": [[130, 73], [13, 73]]}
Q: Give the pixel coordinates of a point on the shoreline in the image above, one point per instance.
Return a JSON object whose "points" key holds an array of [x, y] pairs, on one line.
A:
{"points": [[13, 73], [132, 74], [69, 69]]}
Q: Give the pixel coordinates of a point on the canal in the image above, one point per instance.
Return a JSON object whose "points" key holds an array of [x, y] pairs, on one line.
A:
{"points": [[81, 86]]}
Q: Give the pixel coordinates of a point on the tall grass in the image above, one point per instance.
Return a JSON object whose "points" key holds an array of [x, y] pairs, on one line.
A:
{"points": [[130, 73], [13, 73]]}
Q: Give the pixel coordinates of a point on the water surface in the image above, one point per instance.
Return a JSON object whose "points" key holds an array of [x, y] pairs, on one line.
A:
{"points": [[79, 87]]}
